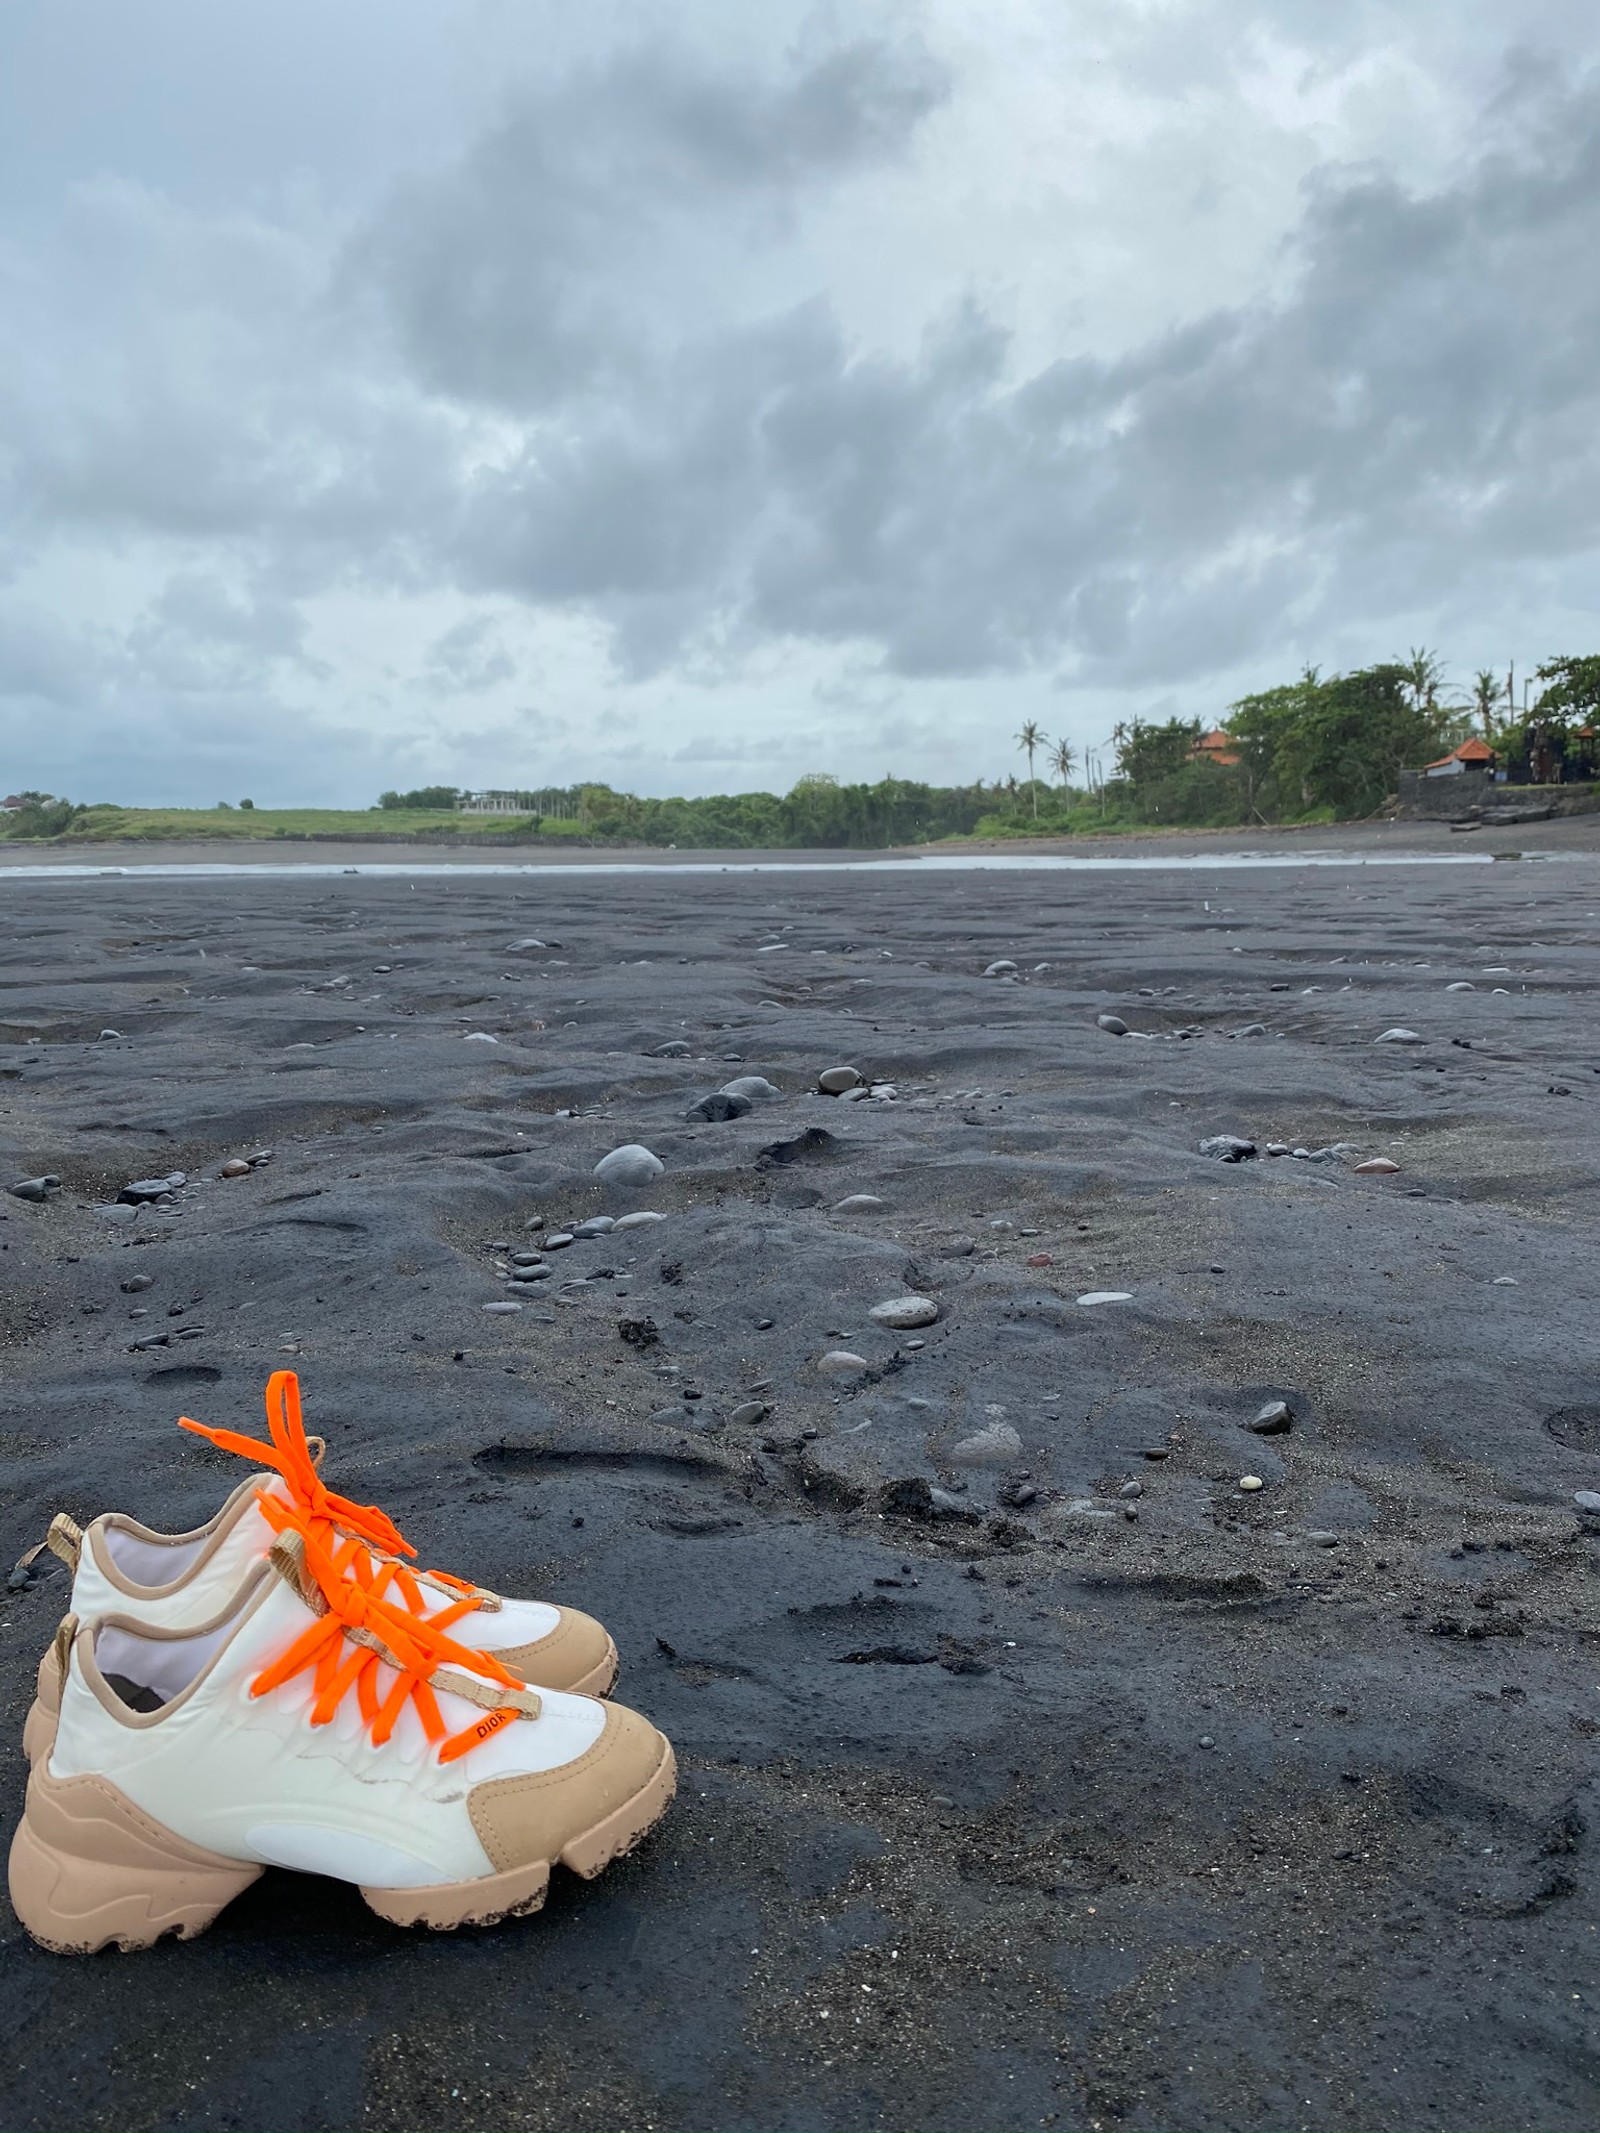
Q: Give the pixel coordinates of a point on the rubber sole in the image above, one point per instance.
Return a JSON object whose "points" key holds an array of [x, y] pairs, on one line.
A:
{"points": [[90, 1870]]}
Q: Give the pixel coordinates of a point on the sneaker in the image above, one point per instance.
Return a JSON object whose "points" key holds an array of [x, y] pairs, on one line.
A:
{"points": [[178, 1580], [315, 1725]]}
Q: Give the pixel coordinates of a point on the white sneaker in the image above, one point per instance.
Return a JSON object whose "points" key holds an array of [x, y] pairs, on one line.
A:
{"points": [[179, 1580], [316, 1726]]}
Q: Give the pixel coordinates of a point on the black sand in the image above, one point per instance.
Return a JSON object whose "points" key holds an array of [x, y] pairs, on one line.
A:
{"points": [[1042, 1816]]}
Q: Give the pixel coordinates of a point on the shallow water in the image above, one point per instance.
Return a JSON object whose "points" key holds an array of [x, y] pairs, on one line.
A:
{"points": [[1206, 863]]}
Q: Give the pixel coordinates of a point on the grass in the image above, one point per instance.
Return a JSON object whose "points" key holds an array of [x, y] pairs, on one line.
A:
{"points": [[104, 825]]}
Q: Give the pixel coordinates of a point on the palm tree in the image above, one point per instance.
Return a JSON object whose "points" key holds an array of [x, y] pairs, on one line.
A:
{"points": [[1028, 740], [1487, 689], [1424, 672], [1061, 762]]}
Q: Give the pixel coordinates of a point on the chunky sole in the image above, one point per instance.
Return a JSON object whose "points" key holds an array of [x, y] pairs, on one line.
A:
{"points": [[39, 1727], [90, 1870]]}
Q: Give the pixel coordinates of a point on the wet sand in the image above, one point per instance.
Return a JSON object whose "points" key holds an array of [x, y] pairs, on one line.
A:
{"points": [[1001, 1808]]}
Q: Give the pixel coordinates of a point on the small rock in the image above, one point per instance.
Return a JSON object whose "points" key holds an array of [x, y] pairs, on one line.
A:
{"points": [[674, 1048], [1504, 1281], [719, 1107], [1252, 1029], [833, 1081], [1107, 1296], [1206, 1741], [857, 1203], [996, 1444], [1039, 1259], [638, 1221], [1228, 1148], [1276, 1419], [596, 1226], [1249, 1483], [754, 1088], [522, 947], [1399, 1036], [1376, 1166], [1462, 985], [1277, 1148], [958, 1248], [136, 1284], [235, 1167], [36, 1189], [1113, 1025], [1131, 1489], [840, 1363], [531, 1273], [902, 1313], [749, 1412], [1005, 968], [107, 1034], [1321, 1538], [629, 1165], [501, 1310], [144, 1189], [1587, 1499], [479, 1036], [558, 1240]]}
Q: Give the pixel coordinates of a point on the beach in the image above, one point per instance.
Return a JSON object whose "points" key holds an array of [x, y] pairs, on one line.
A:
{"points": [[1035, 1772]]}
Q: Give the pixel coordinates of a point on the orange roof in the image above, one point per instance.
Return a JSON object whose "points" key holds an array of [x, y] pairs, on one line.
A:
{"points": [[1473, 751], [1218, 746]]}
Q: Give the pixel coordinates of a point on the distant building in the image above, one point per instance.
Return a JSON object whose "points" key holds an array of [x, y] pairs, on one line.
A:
{"points": [[1216, 747], [1471, 755], [560, 806], [12, 804]]}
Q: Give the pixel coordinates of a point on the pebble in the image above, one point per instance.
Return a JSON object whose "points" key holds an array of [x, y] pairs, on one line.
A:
{"points": [[750, 1411], [1005, 968], [235, 1167], [1228, 1148], [996, 1444], [1113, 1025], [674, 1048], [1040, 1259], [1320, 1538], [629, 1165], [522, 947], [841, 1363], [1462, 985], [596, 1226], [904, 1312], [501, 1310], [1587, 1499], [1377, 1166], [1277, 1148], [479, 1036], [150, 1188], [857, 1203], [833, 1081], [1131, 1489], [1399, 1036], [136, 1284], [1504, 1281], [638, 1221], [1206, 1741], [1252, 1029], [719, 1107], [958, 1248], [558, 1240], [531, 1273], [1250, 1483], [106, 1034], [1274, 1420], [1107, 1296], [754, 1088], [36, 1188], [534, 1222]]}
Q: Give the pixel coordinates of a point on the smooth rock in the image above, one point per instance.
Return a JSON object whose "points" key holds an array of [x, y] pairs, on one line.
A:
{"points": [[1113, 1025], [638, 1221], [107, 1034], [841, 1363], [1277, 1148], [596, 1226], [1399, 1036], [1228, 1148], [996, 1444], [833, 1081], [142, 1189], [857, 1203], [522, 947], [235, 1167], [749, 1412], [904, 1312], [629, 1165], [674, 1048], [958, 1248], [1131, 1489], [1249, 1483], [1005, 968], [1587, 1499], [479, 1036], [1276, 1419], [528, 1258], [1107, 1296], [136, 1284], [753, 1088], [1376, 1166], [531, 1273], [37, 1189], [1252, 1029], [501, 1310], [1462, 985], [1319, 1537], [558, 1240]]}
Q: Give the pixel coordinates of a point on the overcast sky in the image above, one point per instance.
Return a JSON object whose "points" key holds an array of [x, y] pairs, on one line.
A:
{"points": [[406, 391]]}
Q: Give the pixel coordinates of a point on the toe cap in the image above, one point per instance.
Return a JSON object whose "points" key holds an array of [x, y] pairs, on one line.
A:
{"points": [[578, 1656], [585, 1812]]}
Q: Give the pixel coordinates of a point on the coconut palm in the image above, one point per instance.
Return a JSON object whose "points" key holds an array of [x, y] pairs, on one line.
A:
{"points": [[1061, 760], [1029, 739], [1487, 690]]}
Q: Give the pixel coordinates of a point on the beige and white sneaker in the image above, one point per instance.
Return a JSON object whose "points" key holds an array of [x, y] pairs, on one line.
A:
{"points": [[315, 1726], [178, 1580]]}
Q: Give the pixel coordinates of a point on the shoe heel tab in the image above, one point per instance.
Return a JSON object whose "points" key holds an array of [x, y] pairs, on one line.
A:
{"points": [[65, 1539], [61, 1648]]}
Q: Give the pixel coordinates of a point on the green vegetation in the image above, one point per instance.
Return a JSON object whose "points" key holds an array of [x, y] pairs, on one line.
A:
{"points": [[1320, 749]]}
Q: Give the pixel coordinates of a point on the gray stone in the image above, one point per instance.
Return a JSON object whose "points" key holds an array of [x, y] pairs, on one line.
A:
{"points": [[1252, 1029], [1229, 1148], [1004, 968], [501, 1310], [1321, 1538], [557, 1241], [596, 1226], [1274, 1420], [996, 1444], [1462, 985], [841, 1363], [1399, 1036], [136, 1284], [1113, 1025], [904, 1312], [833, 1081], [107, 1034], [749, 1412], [719, 1107], [1131, 1489], [958, 1248], [754, 1088], [526, 1259], [674, 1048], [638, 1220], [35, 1189], [629, 1165], [857, 1203], [1587, 1499]]}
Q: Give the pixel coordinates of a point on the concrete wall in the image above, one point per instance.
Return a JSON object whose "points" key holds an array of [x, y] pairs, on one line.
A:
{"points": [[1474, 792]]}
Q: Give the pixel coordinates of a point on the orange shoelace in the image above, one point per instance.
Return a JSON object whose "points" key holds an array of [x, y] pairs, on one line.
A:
{"points": [[289, 1455], [361, 1632]]}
